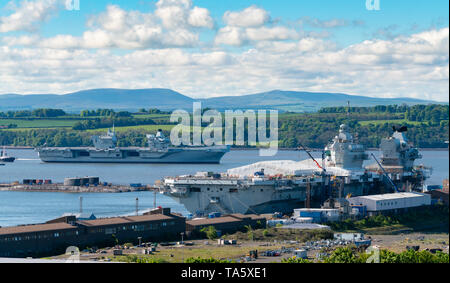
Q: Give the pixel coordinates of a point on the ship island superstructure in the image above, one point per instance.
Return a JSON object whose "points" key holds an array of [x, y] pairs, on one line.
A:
{"points": [[281, 186], [159, 150]]}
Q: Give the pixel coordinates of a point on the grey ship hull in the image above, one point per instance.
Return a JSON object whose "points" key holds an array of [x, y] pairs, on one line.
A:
{"points": [[201, 155], [256, 199]]}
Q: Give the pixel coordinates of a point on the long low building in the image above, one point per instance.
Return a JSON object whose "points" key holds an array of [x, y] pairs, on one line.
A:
{"points": [[388, 202], [55, 236], [226, 224]]}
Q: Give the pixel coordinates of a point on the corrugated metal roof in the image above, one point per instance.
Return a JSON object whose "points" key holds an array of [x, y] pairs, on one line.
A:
{"points": [[246, 216], [35, 228], [124, 220], [211, 221], [152, 217], [391, 196], [240, 215]]}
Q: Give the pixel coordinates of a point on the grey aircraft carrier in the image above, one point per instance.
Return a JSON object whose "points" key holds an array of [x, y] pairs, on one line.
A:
{"points": [[281, 186], [159, 150]]}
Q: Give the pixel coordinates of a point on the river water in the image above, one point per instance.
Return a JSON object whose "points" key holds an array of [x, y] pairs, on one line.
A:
{"points": [[18, 208]]}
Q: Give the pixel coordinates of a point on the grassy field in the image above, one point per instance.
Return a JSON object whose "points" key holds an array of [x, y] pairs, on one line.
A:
{"points": [[38, 123], [279, 234], [179, 254], [152, 116], [145, 128], [424, 219], [379, 122], [31, 129]]}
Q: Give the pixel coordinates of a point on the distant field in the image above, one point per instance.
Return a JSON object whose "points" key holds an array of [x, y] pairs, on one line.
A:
{"points": [[147, 128], [379, 122], [38, 123], [152, 116]]}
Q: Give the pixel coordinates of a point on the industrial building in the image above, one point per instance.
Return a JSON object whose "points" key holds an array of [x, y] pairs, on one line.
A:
{"points": [[440, 195], [55, 236], [390, 202], [445, 186], [226, 224], [316, 215]]}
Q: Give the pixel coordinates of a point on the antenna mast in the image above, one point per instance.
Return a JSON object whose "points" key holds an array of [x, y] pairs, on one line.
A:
{"points": [[348, 109], [137, 206], [81, 204]]}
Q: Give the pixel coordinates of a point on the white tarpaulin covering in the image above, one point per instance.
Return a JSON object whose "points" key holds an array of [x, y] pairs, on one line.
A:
{"points": [[284, 167], [289, 167]]}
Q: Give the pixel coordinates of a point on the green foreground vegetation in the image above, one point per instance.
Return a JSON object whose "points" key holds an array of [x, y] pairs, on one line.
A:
{"points": [[428, 126], [352, 255], [340, 255], [433, 218]]}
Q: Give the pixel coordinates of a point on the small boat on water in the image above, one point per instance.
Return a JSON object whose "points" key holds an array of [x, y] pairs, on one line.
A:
{"points": [[5, 158]]}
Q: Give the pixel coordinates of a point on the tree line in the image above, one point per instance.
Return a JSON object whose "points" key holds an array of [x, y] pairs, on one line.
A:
{"points": [[418, 113], [427, 127], [315, 132], [39, 113], [99, 123]]}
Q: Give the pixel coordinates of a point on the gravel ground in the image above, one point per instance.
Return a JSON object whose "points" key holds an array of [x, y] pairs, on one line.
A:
{"points": [[398, 243]]}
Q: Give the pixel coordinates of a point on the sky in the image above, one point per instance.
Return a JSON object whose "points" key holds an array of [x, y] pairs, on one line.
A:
{"points": [[209, 48]]}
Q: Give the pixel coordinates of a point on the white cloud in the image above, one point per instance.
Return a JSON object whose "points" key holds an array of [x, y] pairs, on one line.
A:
{"points": [[238, 36], [251, 25], [331, 23], [276, 57], [414, 66], [28, 15], [167, 27], [231, 36], [174, 23], [200, 17], [27, 40], [249, 17], [180, 13]]}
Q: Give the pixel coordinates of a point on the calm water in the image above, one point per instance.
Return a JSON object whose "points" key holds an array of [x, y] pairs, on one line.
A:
{"points": [[27, 207]]}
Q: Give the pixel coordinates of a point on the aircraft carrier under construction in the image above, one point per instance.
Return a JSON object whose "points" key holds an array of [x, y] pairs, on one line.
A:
{"points": [[281, 186]]}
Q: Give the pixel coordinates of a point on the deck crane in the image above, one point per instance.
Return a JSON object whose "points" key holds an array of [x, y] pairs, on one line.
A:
{"points": [[310, 155], [386, 174]]}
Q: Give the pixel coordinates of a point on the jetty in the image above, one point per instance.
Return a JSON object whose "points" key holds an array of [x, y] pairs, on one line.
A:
{"points": [[72, 189]]}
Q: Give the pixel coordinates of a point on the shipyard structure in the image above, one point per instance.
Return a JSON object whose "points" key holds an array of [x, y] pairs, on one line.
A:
{"points": [[159, 150], [282, 186]]}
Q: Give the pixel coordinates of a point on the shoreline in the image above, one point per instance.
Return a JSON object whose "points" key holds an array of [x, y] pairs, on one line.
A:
{"points": [[252, 148], [60, 188]]}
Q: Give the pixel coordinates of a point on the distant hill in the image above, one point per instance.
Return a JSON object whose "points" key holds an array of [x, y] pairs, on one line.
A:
{"points": [[166, 99], [303, 101]]}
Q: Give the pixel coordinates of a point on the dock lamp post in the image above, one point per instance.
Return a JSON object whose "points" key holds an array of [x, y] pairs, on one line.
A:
{"points": [[182, 252], [140, 241]]}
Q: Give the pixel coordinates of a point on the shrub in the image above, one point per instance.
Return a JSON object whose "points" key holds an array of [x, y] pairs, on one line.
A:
{"points": [[342, 255], [210, 231], [136, 259], [295, 260], [206, 260]]}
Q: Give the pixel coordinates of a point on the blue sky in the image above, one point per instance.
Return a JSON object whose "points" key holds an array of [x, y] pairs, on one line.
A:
{"points": [[402, 16], [332, 44], [399, 16]]}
